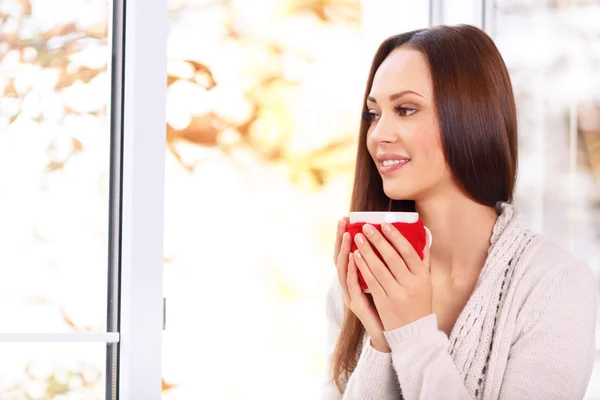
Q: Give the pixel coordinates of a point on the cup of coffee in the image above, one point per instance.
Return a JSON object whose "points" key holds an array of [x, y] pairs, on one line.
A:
{"points": [[408, 223]]}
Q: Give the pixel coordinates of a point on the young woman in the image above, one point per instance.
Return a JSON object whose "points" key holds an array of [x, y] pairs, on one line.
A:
{"points": [[494, 310]]}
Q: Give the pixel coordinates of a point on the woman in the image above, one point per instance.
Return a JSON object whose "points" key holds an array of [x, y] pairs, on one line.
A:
{"points": [[493, 311]]}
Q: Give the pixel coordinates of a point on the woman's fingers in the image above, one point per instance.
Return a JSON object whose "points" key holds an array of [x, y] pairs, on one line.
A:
{"points": [[352, 284], [341, 228], [377, 268], [364, 308], [390, 256], [342, 266], [408, 253], [375, 286]]}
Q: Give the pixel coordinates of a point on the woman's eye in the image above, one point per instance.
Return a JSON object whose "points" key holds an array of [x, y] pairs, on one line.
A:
{"points": [[405, 111], [370, 116]]}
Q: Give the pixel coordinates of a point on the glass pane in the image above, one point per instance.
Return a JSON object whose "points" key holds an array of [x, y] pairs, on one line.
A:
{"points": [[552, 54], [462, 12], [54, 160], [553, 51], [263, 105], [52, 371]]}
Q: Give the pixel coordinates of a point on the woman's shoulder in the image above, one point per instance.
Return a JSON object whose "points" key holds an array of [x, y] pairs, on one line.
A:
{"points": [[552, 271], [551, 258], [545, 259]]}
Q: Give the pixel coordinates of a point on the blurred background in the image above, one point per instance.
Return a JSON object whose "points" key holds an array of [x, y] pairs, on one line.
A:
{"points": [[263, 107]]}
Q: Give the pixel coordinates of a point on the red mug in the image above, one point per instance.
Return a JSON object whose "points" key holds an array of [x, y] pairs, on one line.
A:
{"points": [[408, 223]]}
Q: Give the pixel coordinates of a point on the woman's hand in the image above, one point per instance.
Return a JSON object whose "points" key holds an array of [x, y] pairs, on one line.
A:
{"points": [[401, 284], [354, 298], [341, 228]]}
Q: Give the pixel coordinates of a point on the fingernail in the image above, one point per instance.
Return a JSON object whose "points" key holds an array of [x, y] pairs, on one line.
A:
{"points": [[369, 230], [359, 239], [357, 255], [387, 227]]}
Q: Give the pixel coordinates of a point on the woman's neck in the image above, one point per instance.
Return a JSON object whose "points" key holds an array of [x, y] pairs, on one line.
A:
{"points": [[461, 229]]}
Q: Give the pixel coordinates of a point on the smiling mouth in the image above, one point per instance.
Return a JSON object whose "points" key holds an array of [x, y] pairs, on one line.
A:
{"points": [[389, 166], [389, 163]]}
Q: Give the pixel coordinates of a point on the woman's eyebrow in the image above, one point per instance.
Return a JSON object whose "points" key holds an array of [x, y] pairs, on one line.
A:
{"points": [[395, 95]]}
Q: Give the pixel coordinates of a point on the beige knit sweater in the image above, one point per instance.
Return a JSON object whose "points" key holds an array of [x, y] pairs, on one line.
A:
{"points": [[527, 332]]}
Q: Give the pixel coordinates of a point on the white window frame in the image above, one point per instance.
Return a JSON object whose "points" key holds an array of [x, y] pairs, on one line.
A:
{"points": [[137, 254], [144, 137]]}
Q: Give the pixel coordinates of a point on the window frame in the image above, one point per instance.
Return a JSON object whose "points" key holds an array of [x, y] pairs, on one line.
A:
{"points": [[138, 33], [142, 199]]}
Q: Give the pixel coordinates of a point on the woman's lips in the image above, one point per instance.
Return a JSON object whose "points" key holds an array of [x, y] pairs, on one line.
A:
{"points": [[392, 168]]}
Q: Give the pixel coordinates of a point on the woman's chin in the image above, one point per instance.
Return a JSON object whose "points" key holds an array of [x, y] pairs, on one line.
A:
{"points": [[398, 194], [404, 194]]}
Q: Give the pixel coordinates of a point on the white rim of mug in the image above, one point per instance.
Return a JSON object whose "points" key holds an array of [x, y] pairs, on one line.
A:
{"points": [[379, 217]]}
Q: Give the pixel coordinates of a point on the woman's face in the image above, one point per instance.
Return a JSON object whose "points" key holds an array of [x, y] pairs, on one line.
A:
{"points": [[404, 136]]}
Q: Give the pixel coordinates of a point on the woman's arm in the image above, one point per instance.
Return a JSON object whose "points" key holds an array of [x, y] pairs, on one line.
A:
{"points": [[551, 359], [553, 356], [424, 366], [374, 377]]}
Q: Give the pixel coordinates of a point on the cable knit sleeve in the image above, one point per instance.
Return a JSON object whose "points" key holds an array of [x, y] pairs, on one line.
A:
{"points": [[424, 367], [374, 377], [553, 355]]}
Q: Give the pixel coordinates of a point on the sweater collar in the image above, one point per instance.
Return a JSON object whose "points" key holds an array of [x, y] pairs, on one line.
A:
{"points": [[508, 222]]}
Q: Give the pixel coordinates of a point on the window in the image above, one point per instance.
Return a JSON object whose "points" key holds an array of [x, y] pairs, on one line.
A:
{"points": [[82, 239], [263, 104], [551, 49], [55, 146]]}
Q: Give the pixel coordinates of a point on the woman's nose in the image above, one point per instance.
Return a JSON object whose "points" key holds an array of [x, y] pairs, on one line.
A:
{"points": [[385, 131]]}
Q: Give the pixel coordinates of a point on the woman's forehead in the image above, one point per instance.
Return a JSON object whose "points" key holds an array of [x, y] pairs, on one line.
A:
{"points": [[404, 69]]}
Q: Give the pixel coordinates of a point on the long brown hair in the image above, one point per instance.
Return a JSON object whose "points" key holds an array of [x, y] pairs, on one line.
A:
{"points": [[478, 124]]}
